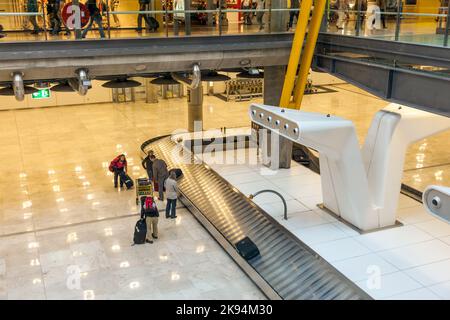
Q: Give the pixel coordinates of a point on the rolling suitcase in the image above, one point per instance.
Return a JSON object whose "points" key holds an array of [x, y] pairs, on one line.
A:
{"points": [[247, 249], [126, 179], [140, 232], [154, 23]]}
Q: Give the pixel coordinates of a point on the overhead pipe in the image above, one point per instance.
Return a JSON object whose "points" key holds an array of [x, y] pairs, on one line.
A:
{"points": [[81, 83], [196, 77], [18, 86]]}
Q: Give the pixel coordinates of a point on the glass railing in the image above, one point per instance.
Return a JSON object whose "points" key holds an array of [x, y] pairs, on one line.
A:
{"points": [[169, 18]]}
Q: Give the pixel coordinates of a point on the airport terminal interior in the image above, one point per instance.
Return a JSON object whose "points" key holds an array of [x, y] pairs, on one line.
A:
{"points": [[332, 160]]}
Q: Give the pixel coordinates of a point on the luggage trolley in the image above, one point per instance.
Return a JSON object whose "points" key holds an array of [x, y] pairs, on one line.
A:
{"points": [[143, 188]]}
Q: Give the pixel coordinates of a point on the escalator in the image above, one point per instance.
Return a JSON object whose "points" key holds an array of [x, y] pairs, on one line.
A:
{"points": [[286, 267]]}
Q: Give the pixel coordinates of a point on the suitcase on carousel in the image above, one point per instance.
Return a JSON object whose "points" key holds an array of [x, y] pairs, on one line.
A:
{"points": [[247, 248]]}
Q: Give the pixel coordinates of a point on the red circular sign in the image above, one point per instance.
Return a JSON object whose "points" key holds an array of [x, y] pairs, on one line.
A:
{"points": [[69, 15]]}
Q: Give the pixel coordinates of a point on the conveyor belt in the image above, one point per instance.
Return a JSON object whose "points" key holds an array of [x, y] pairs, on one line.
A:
{"points": [[287, 268]]}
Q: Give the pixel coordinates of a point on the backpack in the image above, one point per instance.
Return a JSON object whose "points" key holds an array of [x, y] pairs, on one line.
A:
{"points": [[111, 165], [148, 204]]}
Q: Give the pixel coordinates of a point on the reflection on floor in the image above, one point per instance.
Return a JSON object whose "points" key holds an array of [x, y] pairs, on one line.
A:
{"points": [[56, 176], [96, 261], [411, 261]]}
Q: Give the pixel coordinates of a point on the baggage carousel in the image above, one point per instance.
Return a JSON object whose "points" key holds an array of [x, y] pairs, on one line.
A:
{"points": [[286, 268]]}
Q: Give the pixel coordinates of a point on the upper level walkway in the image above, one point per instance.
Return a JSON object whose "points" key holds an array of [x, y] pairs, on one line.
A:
{"points": [[391, 53]]}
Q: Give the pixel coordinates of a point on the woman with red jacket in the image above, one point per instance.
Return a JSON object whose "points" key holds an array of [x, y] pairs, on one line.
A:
{"points": [[118, 165]]}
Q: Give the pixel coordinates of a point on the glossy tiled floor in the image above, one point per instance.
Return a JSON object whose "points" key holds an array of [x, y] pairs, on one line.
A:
{"points": [[56, 194]]}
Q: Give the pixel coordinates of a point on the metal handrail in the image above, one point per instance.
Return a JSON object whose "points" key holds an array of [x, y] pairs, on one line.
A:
{"points": [[251, 196]]}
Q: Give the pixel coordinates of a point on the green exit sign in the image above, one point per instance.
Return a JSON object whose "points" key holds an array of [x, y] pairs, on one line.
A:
{"points": [[41, 94]]}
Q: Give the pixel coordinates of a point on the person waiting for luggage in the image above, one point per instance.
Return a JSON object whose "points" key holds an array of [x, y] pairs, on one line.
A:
{"points": [[150, 213], [147, 164], [119, 166], [172, 195], [95, 16], [160, 174]]}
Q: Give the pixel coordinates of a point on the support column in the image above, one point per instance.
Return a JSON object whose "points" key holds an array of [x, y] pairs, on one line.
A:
{"points": [[195, 108], [278, 19], [273, 85], [151, 92], [210, 6], [187, 18]]}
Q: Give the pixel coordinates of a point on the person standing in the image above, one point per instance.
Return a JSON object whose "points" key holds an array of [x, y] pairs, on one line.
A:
{"points": [[96, 16], [247, 5], [32, 7], [295, 4], [54, 16], [172, 195], [150, 213], [147, 164], [382, 5], [160, 174], [118, 166], [113, 4], [143, 6], [260, 5]]}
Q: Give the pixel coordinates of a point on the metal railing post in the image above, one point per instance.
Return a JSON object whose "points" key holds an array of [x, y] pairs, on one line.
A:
{"points": [[166, 18], [44, 21], [358, 17], [447, 26], [108, 21], [219, 20], [397, 21]]}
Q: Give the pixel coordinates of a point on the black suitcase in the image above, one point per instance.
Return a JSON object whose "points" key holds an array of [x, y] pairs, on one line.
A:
{"points": [[154, 23], [178, 172], [140, 232], [247, 249], [126, 179]]}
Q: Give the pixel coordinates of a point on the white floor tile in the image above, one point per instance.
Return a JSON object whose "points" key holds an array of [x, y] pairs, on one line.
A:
{"points": [[413, 215], [240, 178], [360, 268], [435, 227], [347, 229], [389, 285], [442, 290], [320, 234], [419, 294], [293, 182], [446, 239], [276, 209], [340, 249], [304, 219], [311, 202], [393, 238], [417, 254], [432, 273], [303, 191]]}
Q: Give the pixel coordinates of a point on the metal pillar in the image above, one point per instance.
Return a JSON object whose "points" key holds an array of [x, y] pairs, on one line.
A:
{"points": [[151, 92], [296, 50], [210, 6], [195, 108], [278, 19], [273, 85]]}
